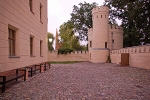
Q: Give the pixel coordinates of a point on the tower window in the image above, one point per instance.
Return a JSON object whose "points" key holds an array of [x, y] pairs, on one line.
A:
{"points": [[90, 43], [101, 16], [105, 44], [105, 16], [90, 55], [113, 41]]}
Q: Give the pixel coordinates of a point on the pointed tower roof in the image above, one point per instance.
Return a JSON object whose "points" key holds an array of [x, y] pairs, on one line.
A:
{"points": [[56, 32]]}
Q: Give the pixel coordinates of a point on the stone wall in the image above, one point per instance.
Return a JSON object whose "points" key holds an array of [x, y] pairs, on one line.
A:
{"points": [[115, 37], [17, 16], [139, 56], [75, 56]]}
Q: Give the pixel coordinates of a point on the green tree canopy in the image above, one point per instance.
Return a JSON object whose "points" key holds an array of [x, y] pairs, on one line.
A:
{"points": [[68, 39], [50, 43], [81, 17], [66, 33], [135, 16]]}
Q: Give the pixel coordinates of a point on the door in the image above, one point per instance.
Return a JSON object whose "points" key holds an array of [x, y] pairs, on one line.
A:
{"points": [[124, 59]]}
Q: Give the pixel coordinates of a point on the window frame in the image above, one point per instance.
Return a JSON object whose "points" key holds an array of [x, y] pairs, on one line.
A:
{"points": [[31, 46], [41, 46], [31, 5], [113, 41], [90, 44], [12, 42], [41, 7], [106, 45]]}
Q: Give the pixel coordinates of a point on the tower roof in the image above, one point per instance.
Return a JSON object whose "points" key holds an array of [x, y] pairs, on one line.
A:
{"points": [[56, 32]]}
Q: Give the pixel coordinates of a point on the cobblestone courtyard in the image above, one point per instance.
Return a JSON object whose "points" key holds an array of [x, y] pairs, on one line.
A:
{"points": [[84, 81]]}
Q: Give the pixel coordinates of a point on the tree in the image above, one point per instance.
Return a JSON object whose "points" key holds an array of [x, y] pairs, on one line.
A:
{"points": [[135, 16], [75, 43], [81, 17], [50, 43], [69, 41], [66, 33]]}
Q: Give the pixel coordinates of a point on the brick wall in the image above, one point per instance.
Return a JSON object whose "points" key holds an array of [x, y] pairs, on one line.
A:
{"points": [[115, 37], [75, 56], [139, 56], [16, 14]]}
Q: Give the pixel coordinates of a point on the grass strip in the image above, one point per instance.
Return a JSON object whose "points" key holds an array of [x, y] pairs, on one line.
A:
{"points": [[64, 62]]}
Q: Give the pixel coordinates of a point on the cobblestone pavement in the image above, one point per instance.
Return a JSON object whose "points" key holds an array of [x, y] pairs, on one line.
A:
{"points": [[84, 81]]}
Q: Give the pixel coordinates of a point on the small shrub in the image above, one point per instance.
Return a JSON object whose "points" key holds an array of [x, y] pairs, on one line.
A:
{"points": [[65, 50], [108, 59]]}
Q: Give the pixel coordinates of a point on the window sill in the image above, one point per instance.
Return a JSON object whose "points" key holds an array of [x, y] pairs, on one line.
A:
{"points": [[32, 56], [14, 56]]}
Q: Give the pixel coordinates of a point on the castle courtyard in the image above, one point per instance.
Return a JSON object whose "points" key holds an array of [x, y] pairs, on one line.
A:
{"points": [[84, 81]]}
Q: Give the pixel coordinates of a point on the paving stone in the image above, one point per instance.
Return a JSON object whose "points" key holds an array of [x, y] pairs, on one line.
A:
{"points": [[84, 81]]}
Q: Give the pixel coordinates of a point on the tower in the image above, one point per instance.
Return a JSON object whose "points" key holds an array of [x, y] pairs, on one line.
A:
{"points": [[57, 43], [100, 37], [56, 40]]}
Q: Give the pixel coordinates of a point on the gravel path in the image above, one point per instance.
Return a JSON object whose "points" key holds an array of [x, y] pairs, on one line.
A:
{"points": [[84, 81]]}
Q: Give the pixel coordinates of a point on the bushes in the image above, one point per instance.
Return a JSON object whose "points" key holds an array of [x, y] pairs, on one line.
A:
{"points": [[108, 59], [65, 50]]}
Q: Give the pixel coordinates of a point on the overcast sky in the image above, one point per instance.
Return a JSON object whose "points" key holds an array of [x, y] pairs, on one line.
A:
{"points": [[59, 12]]}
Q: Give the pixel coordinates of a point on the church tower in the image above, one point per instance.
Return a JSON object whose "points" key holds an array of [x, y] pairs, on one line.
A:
{"points": [[56, 41], [57, 44], [100, 38]]}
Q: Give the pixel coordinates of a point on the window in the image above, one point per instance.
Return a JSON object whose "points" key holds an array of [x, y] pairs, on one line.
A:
{"points": [[31, 5], [41, 12], [113, 41], [40, 47], [105, 44], [90, 55], [90, 43], [101, 16], [31, 46], [11, 42]]}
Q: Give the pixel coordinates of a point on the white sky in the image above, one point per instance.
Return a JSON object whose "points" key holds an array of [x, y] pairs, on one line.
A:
{"points": [[59, 12]]}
